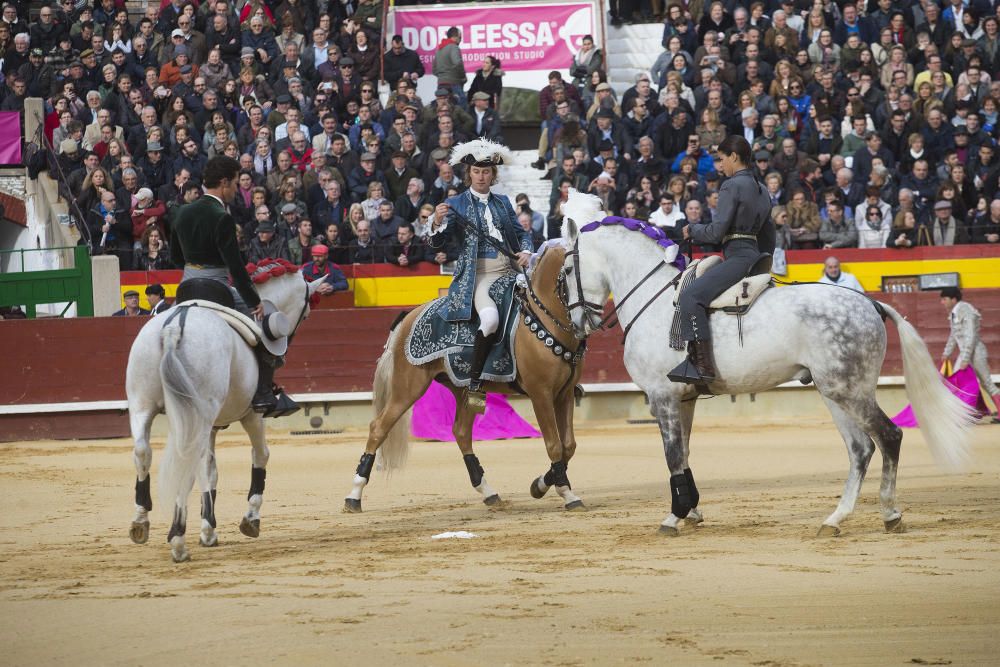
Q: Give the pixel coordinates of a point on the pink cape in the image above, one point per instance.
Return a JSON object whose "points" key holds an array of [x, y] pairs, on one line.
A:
{"points": [[963, 384], [434, 416]]}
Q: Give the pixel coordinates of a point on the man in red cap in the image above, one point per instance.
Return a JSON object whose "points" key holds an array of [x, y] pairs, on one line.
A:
{"points": [[319, 267]]}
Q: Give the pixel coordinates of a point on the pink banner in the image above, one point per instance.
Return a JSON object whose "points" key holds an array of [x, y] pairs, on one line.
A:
{"points": [[10, 137], [434, 416], [523, 36]]}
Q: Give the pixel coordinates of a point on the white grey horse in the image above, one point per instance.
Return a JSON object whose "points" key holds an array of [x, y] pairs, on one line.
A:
{"points": [[836, 336], [198, 370]]}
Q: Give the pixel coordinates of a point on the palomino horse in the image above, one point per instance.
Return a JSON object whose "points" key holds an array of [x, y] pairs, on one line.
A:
{"points": [[835, 336], [547, 356], [202, 373]]}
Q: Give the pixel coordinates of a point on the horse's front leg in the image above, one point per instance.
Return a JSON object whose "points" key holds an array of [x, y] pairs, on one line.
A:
{"points": [[687, 420], [253, 423], [462, 429], [208, 536], [667, 409], [549, 413], [140, 421]]}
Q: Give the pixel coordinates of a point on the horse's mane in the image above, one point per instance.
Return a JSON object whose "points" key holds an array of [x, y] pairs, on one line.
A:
{"points": [[269, 268]]}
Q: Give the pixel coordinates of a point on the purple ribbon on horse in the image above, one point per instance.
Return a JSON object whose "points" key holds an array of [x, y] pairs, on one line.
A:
{"points": [[652, 231]]}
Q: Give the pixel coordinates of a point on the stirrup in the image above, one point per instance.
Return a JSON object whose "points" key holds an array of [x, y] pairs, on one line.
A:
{"points": [[283, 405], [475, 397], [687, 373]]}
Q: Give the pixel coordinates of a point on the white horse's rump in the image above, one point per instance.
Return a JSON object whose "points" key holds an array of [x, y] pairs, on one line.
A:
{"points": [[203, 375], [835, 335]]}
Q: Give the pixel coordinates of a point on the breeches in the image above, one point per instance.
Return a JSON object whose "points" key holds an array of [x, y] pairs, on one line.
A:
{"points": [[980, 364], [695, 299], [488, 271]]}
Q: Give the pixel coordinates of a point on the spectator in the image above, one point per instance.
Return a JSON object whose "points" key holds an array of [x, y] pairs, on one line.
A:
{"points": [[320, 267], [131, 308], [667, 216], [833, 275], [588, 59], [384, 226], [362, 249], [836, 231], [489, 81], [944, 228], [145, 212], [401, 63], [406, 249], [267, 244], [986, 226], [302, 243], [803, 221], [157, 298], [448, 66], [153, 253]]}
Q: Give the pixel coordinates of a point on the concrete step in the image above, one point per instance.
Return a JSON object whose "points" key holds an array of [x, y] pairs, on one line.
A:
{"points": [[631, 50], [522, 177]]}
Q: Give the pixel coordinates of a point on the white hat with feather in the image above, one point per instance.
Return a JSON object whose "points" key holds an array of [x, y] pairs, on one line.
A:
{"points": [[481, 153]]}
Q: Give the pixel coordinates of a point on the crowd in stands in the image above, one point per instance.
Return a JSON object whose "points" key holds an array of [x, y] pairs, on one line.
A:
{"points": [[873, 123]]}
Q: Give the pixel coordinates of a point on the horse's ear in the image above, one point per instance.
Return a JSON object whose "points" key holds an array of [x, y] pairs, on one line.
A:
{"points": [[314, 285], [570, 230]]}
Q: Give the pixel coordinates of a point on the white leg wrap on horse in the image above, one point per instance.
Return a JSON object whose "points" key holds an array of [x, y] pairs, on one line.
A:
{"points": [[489, 320], [208, 535], [254, 504], [141, 515], [178, 551], [358, 488], [694, 516], [485, 489], [670, 522], [567, 494]]}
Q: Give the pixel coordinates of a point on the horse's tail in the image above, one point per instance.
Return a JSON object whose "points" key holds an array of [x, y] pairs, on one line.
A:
{"points": [[183, 453], [943, 417], [395, 448]]}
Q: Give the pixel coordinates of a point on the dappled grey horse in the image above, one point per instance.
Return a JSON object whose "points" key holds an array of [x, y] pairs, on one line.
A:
{"points": [[835, 336]]}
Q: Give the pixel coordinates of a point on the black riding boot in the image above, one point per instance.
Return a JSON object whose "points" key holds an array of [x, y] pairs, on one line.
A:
{"points": [[475, 397], [698, 367], [264, 400]]}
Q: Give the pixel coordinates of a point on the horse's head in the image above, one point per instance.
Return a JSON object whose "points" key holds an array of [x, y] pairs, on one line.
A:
{"points": [[281, 283], [586, 289]]}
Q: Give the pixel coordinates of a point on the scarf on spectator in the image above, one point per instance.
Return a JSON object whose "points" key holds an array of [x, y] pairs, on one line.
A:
{"points": [[263, 166], [944, 234]]}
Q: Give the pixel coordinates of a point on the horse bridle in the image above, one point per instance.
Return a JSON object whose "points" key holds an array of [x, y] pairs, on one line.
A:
{"points": [[594, 311]]}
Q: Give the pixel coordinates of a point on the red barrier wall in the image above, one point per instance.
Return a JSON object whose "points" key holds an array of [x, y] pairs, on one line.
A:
{"points": [[84, 359]]}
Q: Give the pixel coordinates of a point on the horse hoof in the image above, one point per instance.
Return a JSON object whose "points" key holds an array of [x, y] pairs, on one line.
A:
{"points": [[250, 528], [181, 557], [352, 506], [211, 542], [694, 518], [139, 532], [669, 531], [828, 531], [576, 506], [895, 526], [538, 493], [493, 500]]}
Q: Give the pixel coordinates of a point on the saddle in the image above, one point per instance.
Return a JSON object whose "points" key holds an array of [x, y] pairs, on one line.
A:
{"points": [[213, 295], [432, 337], [736, 300]]}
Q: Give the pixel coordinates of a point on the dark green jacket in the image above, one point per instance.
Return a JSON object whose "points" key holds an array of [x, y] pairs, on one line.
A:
{"points": [[204, 233]]}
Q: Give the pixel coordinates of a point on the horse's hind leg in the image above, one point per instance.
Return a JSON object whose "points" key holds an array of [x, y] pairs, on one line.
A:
{"points": [[848, 417], [140, 422], [208, 537], [888, 437], [253, 423], [464, 418]]}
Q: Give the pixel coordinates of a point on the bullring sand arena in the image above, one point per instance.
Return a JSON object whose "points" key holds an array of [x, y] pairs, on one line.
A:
{"points": [[536, 586]]}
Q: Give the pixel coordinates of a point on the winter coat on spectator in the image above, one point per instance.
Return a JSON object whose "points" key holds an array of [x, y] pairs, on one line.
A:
{"points": [[366, 63], [448, 66], [397, 182], [46, 36], [155, 213], [842, 235], [265, 40], [369, 253], [119, 237], [396, 65], [384, 231], [297, 251], [491, 84], [358, 180], [416, 251], [334, 275], [276, 248], [195, 165], [863, 162]]}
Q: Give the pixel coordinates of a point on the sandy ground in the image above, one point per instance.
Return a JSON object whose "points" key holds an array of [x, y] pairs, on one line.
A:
{"points": [[539, 586]]}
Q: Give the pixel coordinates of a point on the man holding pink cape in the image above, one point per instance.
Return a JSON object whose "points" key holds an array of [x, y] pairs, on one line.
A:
{"points": [[964, 320]]}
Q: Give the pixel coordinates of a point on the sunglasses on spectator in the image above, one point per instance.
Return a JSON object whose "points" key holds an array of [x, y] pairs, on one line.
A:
{"points": [[367, 90]]}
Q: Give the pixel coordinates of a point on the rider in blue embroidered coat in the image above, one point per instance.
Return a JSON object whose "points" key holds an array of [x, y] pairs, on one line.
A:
{"points": [[516, 239], [480, 262]]}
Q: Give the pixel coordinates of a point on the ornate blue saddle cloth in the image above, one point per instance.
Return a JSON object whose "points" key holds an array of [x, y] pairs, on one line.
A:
{"points": [[432, 337]]}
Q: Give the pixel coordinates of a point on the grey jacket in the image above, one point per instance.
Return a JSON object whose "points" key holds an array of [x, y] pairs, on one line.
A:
{"points": [[964, 319], [448, 66], [744, 208], [844, 235]]}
